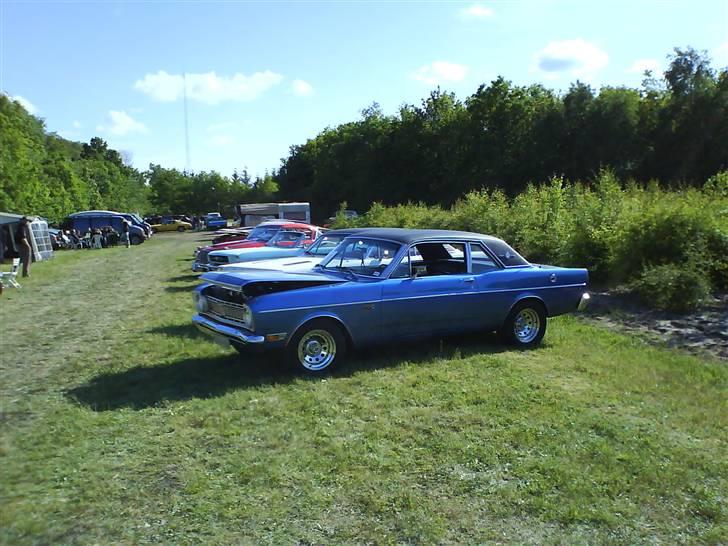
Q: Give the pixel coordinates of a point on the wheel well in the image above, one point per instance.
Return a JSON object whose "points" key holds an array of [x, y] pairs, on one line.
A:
{"points": [[531, 299], [332, 320]]}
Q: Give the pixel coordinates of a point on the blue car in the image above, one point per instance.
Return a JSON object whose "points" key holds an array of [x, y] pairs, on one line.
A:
{"points": [[384, 285]]}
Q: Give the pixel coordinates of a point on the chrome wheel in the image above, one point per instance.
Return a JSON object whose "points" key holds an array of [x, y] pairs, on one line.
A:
{"points": [[526, 325], [316, 350]]}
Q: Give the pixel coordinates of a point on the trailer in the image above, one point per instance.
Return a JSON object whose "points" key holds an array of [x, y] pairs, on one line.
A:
{"points": [[253, 214]]}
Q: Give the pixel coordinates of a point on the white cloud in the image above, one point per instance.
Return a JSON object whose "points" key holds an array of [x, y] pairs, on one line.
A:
{"points": [[440, 72], [120, 123], [25, 103], [640, 65], [208, 87], [301, 88], [476, 11], [575, 57], [76, 124]]}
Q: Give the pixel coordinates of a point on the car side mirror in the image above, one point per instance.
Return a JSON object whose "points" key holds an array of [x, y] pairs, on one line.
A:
{"points": [[418, 271]]}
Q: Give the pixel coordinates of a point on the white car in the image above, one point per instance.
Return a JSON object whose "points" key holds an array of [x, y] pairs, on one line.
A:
{"points": [[305, 260]]}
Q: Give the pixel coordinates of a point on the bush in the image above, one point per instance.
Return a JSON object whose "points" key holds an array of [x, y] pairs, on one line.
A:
{"points": [[672, 288]]}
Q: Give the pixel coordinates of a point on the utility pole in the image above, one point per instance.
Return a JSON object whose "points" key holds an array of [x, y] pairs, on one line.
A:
{"points": [[187, 126]]}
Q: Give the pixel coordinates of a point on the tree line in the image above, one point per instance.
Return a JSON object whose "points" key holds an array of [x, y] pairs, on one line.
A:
{"points": [[673, 129]]}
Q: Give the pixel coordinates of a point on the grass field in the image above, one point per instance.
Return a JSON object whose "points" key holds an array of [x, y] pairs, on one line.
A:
{"points": [[119, 424]]}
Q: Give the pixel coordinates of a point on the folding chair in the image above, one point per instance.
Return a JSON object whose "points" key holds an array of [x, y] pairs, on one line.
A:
{"points": [[8, 277]]}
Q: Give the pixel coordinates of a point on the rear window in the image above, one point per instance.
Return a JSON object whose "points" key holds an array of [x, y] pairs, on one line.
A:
{"points": [[506, 254]]}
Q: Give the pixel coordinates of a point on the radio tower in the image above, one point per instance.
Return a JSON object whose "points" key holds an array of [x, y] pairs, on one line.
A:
{"points": [[187, 127]]}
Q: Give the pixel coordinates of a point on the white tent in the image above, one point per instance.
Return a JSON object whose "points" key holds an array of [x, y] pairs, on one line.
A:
{"points": [[40, 240]]}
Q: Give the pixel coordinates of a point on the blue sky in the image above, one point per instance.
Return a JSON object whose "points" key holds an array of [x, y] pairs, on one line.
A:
{"points": [[262, 76]]}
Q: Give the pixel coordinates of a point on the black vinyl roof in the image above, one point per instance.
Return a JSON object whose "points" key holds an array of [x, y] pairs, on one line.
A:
{"points": [[409, 236]]}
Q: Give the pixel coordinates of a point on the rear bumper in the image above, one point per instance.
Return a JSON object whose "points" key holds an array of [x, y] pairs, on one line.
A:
{"points": [[197, 267], [216, 329], [583, 302]]}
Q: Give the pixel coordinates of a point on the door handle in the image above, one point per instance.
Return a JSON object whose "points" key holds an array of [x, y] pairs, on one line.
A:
{"points": [[469, 279]]}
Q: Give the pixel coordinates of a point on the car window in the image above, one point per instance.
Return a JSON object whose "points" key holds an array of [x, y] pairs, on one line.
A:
{"points": [[506, 254], [433, 259], [324, 245], [480, 260], [362, 256]]}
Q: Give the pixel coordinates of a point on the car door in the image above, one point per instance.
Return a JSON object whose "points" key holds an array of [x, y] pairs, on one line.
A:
{"points": [[430, 294]]}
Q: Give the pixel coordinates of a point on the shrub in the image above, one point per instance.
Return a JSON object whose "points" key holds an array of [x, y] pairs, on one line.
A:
{"points": [[671, 287]]}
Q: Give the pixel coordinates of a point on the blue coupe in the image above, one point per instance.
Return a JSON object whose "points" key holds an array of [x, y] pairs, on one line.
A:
{"points": [[387, 285]]}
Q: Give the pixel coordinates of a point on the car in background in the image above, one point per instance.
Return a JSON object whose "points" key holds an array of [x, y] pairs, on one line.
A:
{"points": [[170, 224], [132, 218], [88, 221], [369, 290], [213, 220], [283, 244], [260, 235], [305, 259]]}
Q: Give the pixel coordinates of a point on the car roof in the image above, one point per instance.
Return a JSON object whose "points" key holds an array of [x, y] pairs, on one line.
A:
{"points": [[344, 231], [409, 236]]}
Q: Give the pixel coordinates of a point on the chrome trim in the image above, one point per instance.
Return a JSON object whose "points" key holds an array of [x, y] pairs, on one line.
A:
{"points": [[464, 293], [226, 286], [583, 302], [236, 334]]}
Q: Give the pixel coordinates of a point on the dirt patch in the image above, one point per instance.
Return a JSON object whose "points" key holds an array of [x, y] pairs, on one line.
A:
{"points": [[703, 331]]}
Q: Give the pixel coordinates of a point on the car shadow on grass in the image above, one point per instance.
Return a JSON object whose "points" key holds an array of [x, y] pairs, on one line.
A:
{"points": [[183, 288], [187, 277], [148, 386]]}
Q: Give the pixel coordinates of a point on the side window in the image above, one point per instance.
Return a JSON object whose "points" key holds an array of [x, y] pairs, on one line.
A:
{"points": [[480, 260], [433, 259]]}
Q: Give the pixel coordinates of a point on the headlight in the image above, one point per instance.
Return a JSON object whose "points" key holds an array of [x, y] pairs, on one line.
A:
{"points": [[247, 317], [200, 303]]}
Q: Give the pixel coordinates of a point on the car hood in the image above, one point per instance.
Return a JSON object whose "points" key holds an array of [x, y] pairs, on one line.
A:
{"points": [[235, 244], [257, 253], [301, 263], [256, 282]]}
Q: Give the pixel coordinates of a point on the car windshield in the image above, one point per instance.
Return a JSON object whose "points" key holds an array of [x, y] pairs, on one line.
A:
{"points": [[263, 233], [287, 239], [324, 244], [368, 257]]}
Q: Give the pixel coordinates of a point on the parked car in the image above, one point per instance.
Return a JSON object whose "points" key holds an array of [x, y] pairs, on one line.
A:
{"points": [[260, 235], [84, 222], [305, 258], [133, 219], [213, 220], [370, 290], [170, 224]]}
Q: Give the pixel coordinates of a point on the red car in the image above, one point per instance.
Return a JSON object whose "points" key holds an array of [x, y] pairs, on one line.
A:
{"points": [[257, 238]]}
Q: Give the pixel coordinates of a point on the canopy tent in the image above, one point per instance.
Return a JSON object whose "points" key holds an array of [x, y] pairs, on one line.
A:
{"points": [[40, 240]]}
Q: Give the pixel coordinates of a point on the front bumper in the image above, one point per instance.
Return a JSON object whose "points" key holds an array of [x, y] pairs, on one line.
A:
{"points": [[197, 267], [584, 301], [216, 329]]}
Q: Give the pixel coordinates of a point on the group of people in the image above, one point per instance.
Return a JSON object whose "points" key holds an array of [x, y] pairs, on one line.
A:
{"points": [[93, 238]]}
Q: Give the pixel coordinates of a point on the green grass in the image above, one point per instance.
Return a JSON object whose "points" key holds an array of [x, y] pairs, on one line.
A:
{"points": [[119, 423]]}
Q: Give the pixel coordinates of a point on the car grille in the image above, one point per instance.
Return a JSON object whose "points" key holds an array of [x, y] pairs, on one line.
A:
{"points": [[219, 259], [226, 309]]}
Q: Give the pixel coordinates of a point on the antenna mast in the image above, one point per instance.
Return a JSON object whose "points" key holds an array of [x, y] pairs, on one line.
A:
{"points": [[187, 127]]}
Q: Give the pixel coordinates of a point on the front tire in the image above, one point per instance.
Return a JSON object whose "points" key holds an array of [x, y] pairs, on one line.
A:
{"points": [[317, 347], [181, 229], [525, 325], [135, 240]]}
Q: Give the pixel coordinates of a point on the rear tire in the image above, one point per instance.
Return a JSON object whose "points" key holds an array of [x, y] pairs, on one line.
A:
{"points": [[525, 325], [317, 347]]}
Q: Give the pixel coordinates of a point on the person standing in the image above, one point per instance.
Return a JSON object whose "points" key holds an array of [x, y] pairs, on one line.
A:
{"points": [[22, 241], [125, 232]]}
